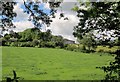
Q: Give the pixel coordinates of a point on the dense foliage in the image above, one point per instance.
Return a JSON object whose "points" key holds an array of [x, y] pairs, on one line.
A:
{"points": [[7, 15], [33, 38], [101, 17], [36, 15], [88, 42]]}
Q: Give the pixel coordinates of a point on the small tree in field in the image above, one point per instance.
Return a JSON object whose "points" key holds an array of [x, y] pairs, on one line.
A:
{"points": [[88, 42]]}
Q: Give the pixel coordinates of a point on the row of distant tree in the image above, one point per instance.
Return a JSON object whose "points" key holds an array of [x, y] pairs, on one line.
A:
{"points": [[35, 38], [32, 38], [91, 42]]}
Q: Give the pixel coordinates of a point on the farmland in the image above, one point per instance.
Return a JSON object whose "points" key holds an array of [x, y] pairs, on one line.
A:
{"points": [[53, 64]]}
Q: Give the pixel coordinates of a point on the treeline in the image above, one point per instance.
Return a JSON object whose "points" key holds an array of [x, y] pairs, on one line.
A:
{"points": [[32, 38], [91, 44]]}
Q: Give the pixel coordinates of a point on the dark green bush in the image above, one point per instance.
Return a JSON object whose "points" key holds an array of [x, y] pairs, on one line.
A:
{"points": [[50, 44], [3, 41], [35, 42], [42, 44], [59, 44], [15, 44]]}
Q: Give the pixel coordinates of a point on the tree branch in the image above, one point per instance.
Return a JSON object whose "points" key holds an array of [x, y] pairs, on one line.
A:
{"points": [[28, 8]]}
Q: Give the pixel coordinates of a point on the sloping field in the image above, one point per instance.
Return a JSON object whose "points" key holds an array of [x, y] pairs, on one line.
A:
{"points": [[52, 64]]}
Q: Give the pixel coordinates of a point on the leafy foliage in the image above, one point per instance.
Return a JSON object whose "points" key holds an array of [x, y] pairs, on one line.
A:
{"points": [[89, 42], [15, 78], [72, 47], [33, 38], [97, 16], [37, 15], [7, 15], [101, 17]]}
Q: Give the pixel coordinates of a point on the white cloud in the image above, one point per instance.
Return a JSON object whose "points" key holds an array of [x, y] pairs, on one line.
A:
{"points": [[69, 0], [20, 14], [7, 0], [46, 5], [22, 25], [21, 21], [64, 27], [61, 26]]}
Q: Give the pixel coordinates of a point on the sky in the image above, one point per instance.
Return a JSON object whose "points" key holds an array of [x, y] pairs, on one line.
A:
{"points": [[58, 26]]}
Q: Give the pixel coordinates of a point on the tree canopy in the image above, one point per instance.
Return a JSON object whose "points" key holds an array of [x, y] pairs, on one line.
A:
{"points": [[38, 16], [101, 17], [89, 42]]}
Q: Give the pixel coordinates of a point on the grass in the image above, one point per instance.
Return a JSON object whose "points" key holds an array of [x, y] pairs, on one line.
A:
{"points": [[0, 63], [52, 64]]}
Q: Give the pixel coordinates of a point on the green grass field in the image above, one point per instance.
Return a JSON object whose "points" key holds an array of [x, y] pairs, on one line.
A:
{"points": [[52, 64]]}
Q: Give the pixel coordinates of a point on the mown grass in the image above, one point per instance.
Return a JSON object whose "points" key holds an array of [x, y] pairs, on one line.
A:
{"points": [[53, 64], [0, 63]]}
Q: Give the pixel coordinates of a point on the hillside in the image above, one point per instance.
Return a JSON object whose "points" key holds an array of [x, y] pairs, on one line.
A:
{"points": [[53, 64]]}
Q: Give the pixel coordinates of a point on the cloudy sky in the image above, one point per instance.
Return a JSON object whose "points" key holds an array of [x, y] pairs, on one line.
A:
{"points": [[58, 26]]}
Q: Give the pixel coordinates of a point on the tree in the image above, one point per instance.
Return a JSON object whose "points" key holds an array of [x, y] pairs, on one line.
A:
{"points": [[89, 42], [58, 40], [117, 42], [101, 17], [7, 15], [35, 42], [30, 34], [36, 15], [45, 36], [7, 36]]}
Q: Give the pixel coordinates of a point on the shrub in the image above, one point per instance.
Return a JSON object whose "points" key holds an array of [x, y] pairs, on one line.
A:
{"points": [[47, 44], [23, 44], [50, 44], [15, 44], [100, 50], [35, 42], [42, 44], [83, 49], [8, 43], [59, 44], [72, 47], [3, 41]]}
